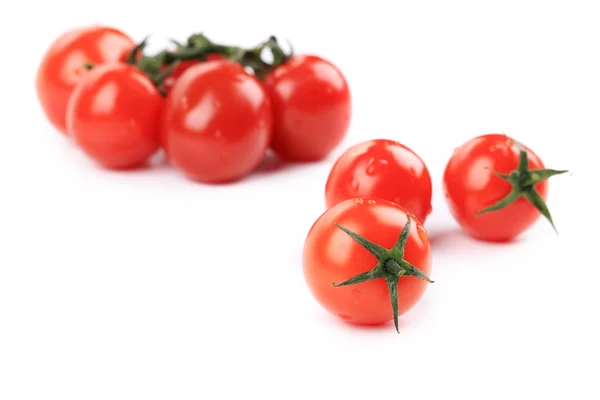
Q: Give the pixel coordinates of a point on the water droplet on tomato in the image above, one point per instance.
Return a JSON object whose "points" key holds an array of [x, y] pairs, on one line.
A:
{"points": [[372, 202], [371, 168], [355, 302], [359, 201], [422, 233]]}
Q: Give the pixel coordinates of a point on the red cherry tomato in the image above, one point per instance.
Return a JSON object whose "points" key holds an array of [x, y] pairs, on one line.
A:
{"points": [[184, 66], [472, 185], [382, 169], [63, 65], [114, 116], [217, 122], [311, 108], [332, 255]]}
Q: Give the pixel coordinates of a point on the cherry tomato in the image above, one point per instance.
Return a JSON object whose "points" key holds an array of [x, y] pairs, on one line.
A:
{"points": [[311, 108], [344, 254], [217, 122], [382, 169], [63, 65], [496, 188], [184, 66], [114, 116]]}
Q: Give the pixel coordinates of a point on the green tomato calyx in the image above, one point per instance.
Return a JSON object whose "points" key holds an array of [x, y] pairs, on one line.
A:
{"points": [[523, 181], [391, 265]]}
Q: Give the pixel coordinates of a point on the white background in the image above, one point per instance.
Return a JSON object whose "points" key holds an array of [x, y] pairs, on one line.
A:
{"points": [[144, 285]]}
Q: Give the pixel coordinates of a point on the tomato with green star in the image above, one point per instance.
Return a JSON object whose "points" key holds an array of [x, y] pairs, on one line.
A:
{"points": [[367, 261]]}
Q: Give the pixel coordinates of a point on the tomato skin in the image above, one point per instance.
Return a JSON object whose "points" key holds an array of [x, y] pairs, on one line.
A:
{"points": [[330, 255], [114, 116], [217, 122], [382, 169], [470, 186], [62, 66], [311, 108], [184, 66]]}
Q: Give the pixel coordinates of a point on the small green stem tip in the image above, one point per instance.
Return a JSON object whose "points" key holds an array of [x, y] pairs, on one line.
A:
{"points": [[523, 181], [391, 265]]}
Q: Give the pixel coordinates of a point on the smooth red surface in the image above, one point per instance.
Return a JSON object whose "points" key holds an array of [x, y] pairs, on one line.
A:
{"points": [[311, 108], [330, 255], [114, 116], [470, 186], [184, 66], [382, 169], [62, 66], [217, 122]]}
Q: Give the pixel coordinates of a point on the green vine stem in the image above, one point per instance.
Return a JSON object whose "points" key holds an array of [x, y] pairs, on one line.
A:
{"points": [[199, 47]]}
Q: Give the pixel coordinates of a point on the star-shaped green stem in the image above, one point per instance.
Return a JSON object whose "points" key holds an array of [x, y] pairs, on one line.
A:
{"points": [[523, 181], [391, 265]]}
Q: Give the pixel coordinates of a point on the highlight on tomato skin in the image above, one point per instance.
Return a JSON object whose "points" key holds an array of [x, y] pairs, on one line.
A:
{"points": [[64, 64], [113, 115], [496, 188], [383, 169], [331, 255], [217, 122], [312, 108]]}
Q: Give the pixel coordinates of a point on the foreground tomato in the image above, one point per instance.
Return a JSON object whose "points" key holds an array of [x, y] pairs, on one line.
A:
{"points": [[496, 188], [311, 108], [381, 169], [217, 122], [348, 245], [63, 65], [113, 114]]}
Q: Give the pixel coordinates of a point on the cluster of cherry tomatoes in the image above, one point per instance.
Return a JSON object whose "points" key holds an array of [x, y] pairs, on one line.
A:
{"points": [[214, 109], [367, 259]]}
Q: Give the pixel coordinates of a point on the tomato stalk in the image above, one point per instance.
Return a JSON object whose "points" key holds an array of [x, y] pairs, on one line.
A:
{"points": [[391, 265], [523, 181], [199, 47]]}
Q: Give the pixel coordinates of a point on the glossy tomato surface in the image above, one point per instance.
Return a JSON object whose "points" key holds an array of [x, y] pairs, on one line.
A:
{"points": [[114, 116], [471, 186], [184, 66], [382, 169], [311, 108], [63, 65], [217, 122], [330, 255]]}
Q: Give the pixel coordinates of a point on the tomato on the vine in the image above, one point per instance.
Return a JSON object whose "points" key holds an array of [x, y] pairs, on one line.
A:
{"points": [[311, 108], [377, 256], [64, 65], [183, 66], [496, 187], [114, 116], [217, 122], [383, 169]]}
